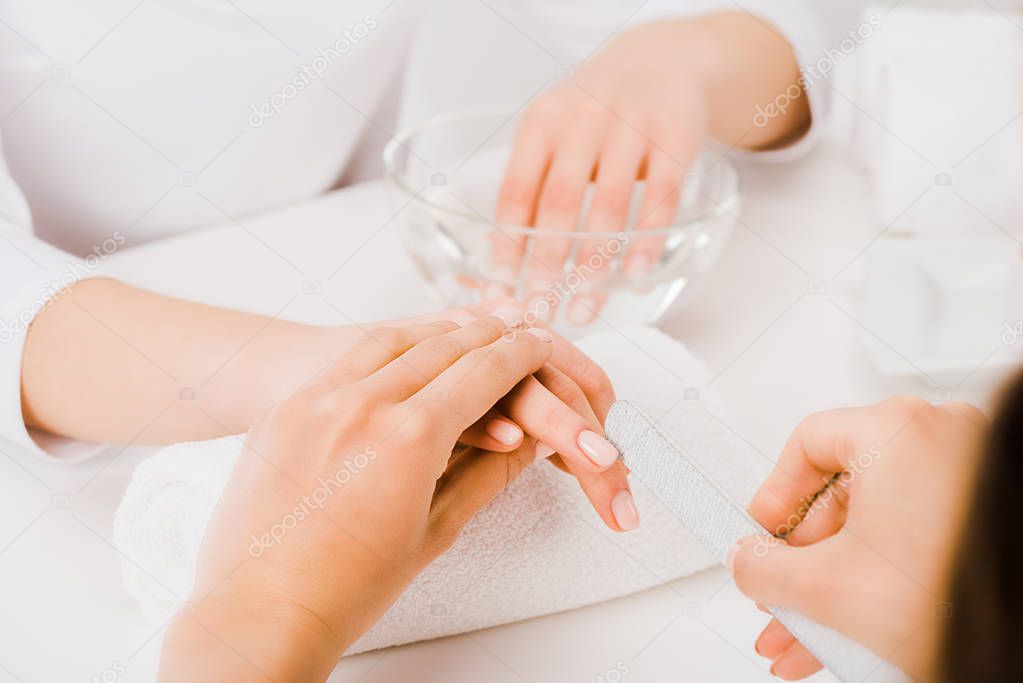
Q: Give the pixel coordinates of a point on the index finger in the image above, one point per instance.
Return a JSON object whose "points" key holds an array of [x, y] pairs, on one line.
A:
{"points": [[822, 446]]}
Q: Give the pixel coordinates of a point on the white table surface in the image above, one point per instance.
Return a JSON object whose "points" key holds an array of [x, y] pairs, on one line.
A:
{"points": [[779, 352]]}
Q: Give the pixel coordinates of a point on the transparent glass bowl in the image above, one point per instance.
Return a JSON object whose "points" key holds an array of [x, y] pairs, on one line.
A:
{"points": [[443, 179]]}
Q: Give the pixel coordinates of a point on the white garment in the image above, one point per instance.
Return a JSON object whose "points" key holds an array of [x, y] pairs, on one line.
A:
{"points": [[127, 121]]}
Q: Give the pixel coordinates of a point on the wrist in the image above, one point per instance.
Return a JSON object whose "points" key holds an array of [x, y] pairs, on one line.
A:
{"points": [[221, 638]]}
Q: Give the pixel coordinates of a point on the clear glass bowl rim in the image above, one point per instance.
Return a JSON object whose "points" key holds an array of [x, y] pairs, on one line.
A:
{"points": [[399, 141]]}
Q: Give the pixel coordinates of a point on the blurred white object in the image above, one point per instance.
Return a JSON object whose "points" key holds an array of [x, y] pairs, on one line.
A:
{"points": [[537, 549], [931, 104], [951, 307]]}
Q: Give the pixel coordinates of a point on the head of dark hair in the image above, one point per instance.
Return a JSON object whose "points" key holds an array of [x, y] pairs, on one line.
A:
{"points": [[984, 635]]}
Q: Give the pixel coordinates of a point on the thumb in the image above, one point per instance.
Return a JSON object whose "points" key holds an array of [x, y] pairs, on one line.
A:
{"points": [[807, 579]]}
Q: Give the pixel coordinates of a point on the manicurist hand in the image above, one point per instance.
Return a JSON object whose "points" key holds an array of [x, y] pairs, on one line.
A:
{"points": [[374, 441], [870, 555], [639, 109]]}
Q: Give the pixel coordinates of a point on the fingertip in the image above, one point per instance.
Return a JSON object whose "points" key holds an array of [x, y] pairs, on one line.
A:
{"points": [[623, 507], [505, 432]]}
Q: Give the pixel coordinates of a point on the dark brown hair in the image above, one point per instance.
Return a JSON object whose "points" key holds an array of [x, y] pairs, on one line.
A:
{"points": [[984, 636]]}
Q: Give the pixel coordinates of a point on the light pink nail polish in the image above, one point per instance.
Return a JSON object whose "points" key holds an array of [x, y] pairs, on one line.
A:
{"points": [[597, 448], [543, 451], [730, 560], [541, 334], [581, 310], [623, 507], [637, 265], [507, 433]]}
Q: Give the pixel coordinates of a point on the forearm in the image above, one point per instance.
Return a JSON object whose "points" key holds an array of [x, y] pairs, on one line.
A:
{"points": [[110, 363], [747, 66]]}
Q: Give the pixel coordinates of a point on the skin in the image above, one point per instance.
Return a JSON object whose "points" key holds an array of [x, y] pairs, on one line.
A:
{"points": [[871, 556], [624, 117], [135, 351], [268, 617]]}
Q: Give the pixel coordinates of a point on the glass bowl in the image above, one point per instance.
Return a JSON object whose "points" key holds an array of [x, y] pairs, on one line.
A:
{"points": [[443, 179]]}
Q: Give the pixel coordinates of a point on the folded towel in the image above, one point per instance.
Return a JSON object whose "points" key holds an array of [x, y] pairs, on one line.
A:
{"points": [[537, 549], [935, 125]]}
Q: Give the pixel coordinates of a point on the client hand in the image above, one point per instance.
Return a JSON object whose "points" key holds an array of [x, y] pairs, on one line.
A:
{"points": [[361, 468], [870, 554]]}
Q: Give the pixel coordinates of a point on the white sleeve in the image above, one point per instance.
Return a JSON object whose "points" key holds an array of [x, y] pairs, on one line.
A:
{"points": [[32, 272]]}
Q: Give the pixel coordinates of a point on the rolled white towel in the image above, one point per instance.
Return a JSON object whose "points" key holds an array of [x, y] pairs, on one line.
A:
{"points": [[930, 100], [537, 549]]}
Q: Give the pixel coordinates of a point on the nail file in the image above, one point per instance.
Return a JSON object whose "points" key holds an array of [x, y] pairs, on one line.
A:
{"points": [[718, 523]]}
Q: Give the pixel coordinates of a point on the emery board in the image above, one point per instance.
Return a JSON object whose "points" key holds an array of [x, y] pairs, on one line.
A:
{"points": [[718, 523]]}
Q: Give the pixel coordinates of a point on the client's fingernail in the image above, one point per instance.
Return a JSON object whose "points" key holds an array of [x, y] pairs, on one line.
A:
{"points": [[506, 432], [541, 334], [543, 451], [509, 314], [730, 560], [637, 265], [598, 449], [581, 310], [624, 509], [503, 275]]}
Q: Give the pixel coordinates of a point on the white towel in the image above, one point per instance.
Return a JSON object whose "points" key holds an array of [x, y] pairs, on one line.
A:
{"points": [[537, 549], [931, 102]]}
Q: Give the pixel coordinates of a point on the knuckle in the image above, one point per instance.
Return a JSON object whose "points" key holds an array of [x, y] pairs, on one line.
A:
{"points": [[392, 338], [493, 362], [565, 389], [594, 380], [443, 347], [906, 406], [541, 113], [968, 411], [490, 326]]}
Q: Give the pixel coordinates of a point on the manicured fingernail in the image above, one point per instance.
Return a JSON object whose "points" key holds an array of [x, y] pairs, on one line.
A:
{"points": [[730, 560], [598, 449], [495, 291], [581, 310], [624, 509], [509, 314], [543, 451], [502, 274], [762, 608], [541, 334], [637, 265], [506, 432]]}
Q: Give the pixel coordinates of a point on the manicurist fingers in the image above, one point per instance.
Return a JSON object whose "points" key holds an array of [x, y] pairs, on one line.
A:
{"points": [[377, 347], [465, 391]]}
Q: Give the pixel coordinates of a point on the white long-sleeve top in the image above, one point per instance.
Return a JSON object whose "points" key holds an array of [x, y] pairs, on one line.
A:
{"points": [[124, 121]]}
